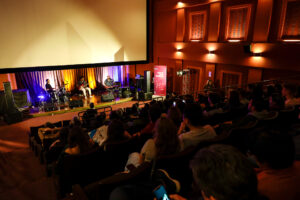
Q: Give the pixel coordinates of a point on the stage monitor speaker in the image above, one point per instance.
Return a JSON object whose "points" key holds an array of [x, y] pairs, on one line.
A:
{"points": [[148, 96], [49, 107], [12, 114], [107, 97], [147, 81], [76, 103]]}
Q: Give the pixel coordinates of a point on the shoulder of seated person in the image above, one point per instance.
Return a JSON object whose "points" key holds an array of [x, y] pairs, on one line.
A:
{"points": [[72, 151]]}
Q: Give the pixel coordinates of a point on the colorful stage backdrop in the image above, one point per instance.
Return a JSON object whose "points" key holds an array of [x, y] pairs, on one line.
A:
{"points": [[35, 81], [160, 80]]}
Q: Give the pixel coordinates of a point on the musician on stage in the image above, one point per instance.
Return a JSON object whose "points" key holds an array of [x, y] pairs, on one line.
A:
{"points": [[109, 82], [48, 86], [83, 86]]}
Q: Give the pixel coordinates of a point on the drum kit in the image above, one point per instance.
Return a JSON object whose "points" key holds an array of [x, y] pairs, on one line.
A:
{"points": [[60, 95]]}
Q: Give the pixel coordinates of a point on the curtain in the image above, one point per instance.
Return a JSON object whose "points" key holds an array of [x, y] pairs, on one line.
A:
{"points": [[35, 81]]}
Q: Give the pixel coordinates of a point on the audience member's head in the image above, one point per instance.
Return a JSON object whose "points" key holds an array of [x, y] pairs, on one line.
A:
{"points": [[270, 90], [92, 105], [77, 137], [192, 115], [114, 115], [75, 122], [276, 101], [273, 149], [63, 135], [234, 98], [258, 105], [222, 172], [289, 90], [166, 139], [115, 131], [175, 116], [214, 99], [154, 112], [49, 125]]}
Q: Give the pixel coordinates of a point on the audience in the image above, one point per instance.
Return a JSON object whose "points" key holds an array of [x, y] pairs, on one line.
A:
{"points": [[289, 92], [279, 173], [175, 116], [192, 117]]}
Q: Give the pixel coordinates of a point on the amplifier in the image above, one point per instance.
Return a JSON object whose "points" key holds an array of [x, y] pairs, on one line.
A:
{"points": [[107, 97], [76, 103], [49, 107]]}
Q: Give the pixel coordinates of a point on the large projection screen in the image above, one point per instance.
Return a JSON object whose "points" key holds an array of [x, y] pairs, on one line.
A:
{"points": [[54, 33]]}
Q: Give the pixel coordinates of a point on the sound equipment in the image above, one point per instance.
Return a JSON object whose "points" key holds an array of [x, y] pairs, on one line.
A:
{"points": [[12, 114], [49, 107], [76, 103], [147, 81], [126, 93], [107, 97], [148, 96]]}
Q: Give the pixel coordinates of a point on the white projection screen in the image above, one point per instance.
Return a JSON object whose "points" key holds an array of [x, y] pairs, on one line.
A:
{"points": [[47, 33]]}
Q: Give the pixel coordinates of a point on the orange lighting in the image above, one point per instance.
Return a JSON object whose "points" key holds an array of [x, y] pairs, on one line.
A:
{"points": [[195, 40], [234, 40], [291, 40]]}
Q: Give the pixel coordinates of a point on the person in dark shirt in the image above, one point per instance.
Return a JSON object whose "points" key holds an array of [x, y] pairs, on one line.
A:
{"points": [[48, 86]]}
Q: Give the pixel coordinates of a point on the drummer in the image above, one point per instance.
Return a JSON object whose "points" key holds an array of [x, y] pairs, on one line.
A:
{"points": [[48, 86]]}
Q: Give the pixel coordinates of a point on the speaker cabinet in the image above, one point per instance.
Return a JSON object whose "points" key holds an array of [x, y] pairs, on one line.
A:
{"points": [[107, 97], [76, 103], [147, 81]]}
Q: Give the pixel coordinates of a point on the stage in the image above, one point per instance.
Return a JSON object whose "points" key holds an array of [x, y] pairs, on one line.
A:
{"points": [[65, 107]]}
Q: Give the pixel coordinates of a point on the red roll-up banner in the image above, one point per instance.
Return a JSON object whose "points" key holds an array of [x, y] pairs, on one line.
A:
{"points": [[160, 80]]}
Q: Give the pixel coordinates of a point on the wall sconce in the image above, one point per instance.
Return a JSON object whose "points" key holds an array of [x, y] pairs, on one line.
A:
{"points": [[180, 4], [233, 40]]}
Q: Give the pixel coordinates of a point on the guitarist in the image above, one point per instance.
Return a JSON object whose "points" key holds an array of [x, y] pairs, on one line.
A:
{"points": [[83, 86], [109, 83]]}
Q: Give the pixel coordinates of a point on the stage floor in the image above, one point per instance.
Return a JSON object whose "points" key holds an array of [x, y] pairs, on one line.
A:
{"points": [[64, 108]]}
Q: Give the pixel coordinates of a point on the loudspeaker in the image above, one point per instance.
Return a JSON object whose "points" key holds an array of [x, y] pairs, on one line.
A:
{"points": [[147, 81], [126, 93], [148, 96], [49, 107], [107, 97], [76, 103]]}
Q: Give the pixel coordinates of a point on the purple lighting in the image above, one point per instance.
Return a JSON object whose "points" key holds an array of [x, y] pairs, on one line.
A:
{"points": [[41, 97]]}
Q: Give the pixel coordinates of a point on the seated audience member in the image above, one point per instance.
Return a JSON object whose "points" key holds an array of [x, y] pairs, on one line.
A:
{"points": [[259, 109], [243, 97], [154, 114], [289, 92], [78, 142], [276, 102], [221, 172], [49, 131], [115, 133], [165, 141], [214, 101], [192, 119], [234, 103], [57, 146], [75, 122], [175, 116], [278, 175], [90, 113]]}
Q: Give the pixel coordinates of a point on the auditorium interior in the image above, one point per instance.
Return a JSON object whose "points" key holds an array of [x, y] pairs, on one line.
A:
{"points": [[150, 99]]}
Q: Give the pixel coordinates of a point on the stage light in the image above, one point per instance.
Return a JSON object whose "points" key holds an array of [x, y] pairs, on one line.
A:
{"points": [[291, 40], [41, 97], [211, 51], [256, 54], [234, 40]]}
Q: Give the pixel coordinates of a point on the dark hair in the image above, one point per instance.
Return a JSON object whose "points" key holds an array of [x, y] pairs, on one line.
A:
{"points": [[274, 148], [234, 99], [47, 79], [154, 112], [115, 131], [193, 112], [214, 98], [167, 141], [76, 122], [175, 116], [49, 125], [92, 105], [270, 90], [291, 88], [63, 135], [114, 115], [223, 172], [259, 104], [277, 101], [80, 138]]}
